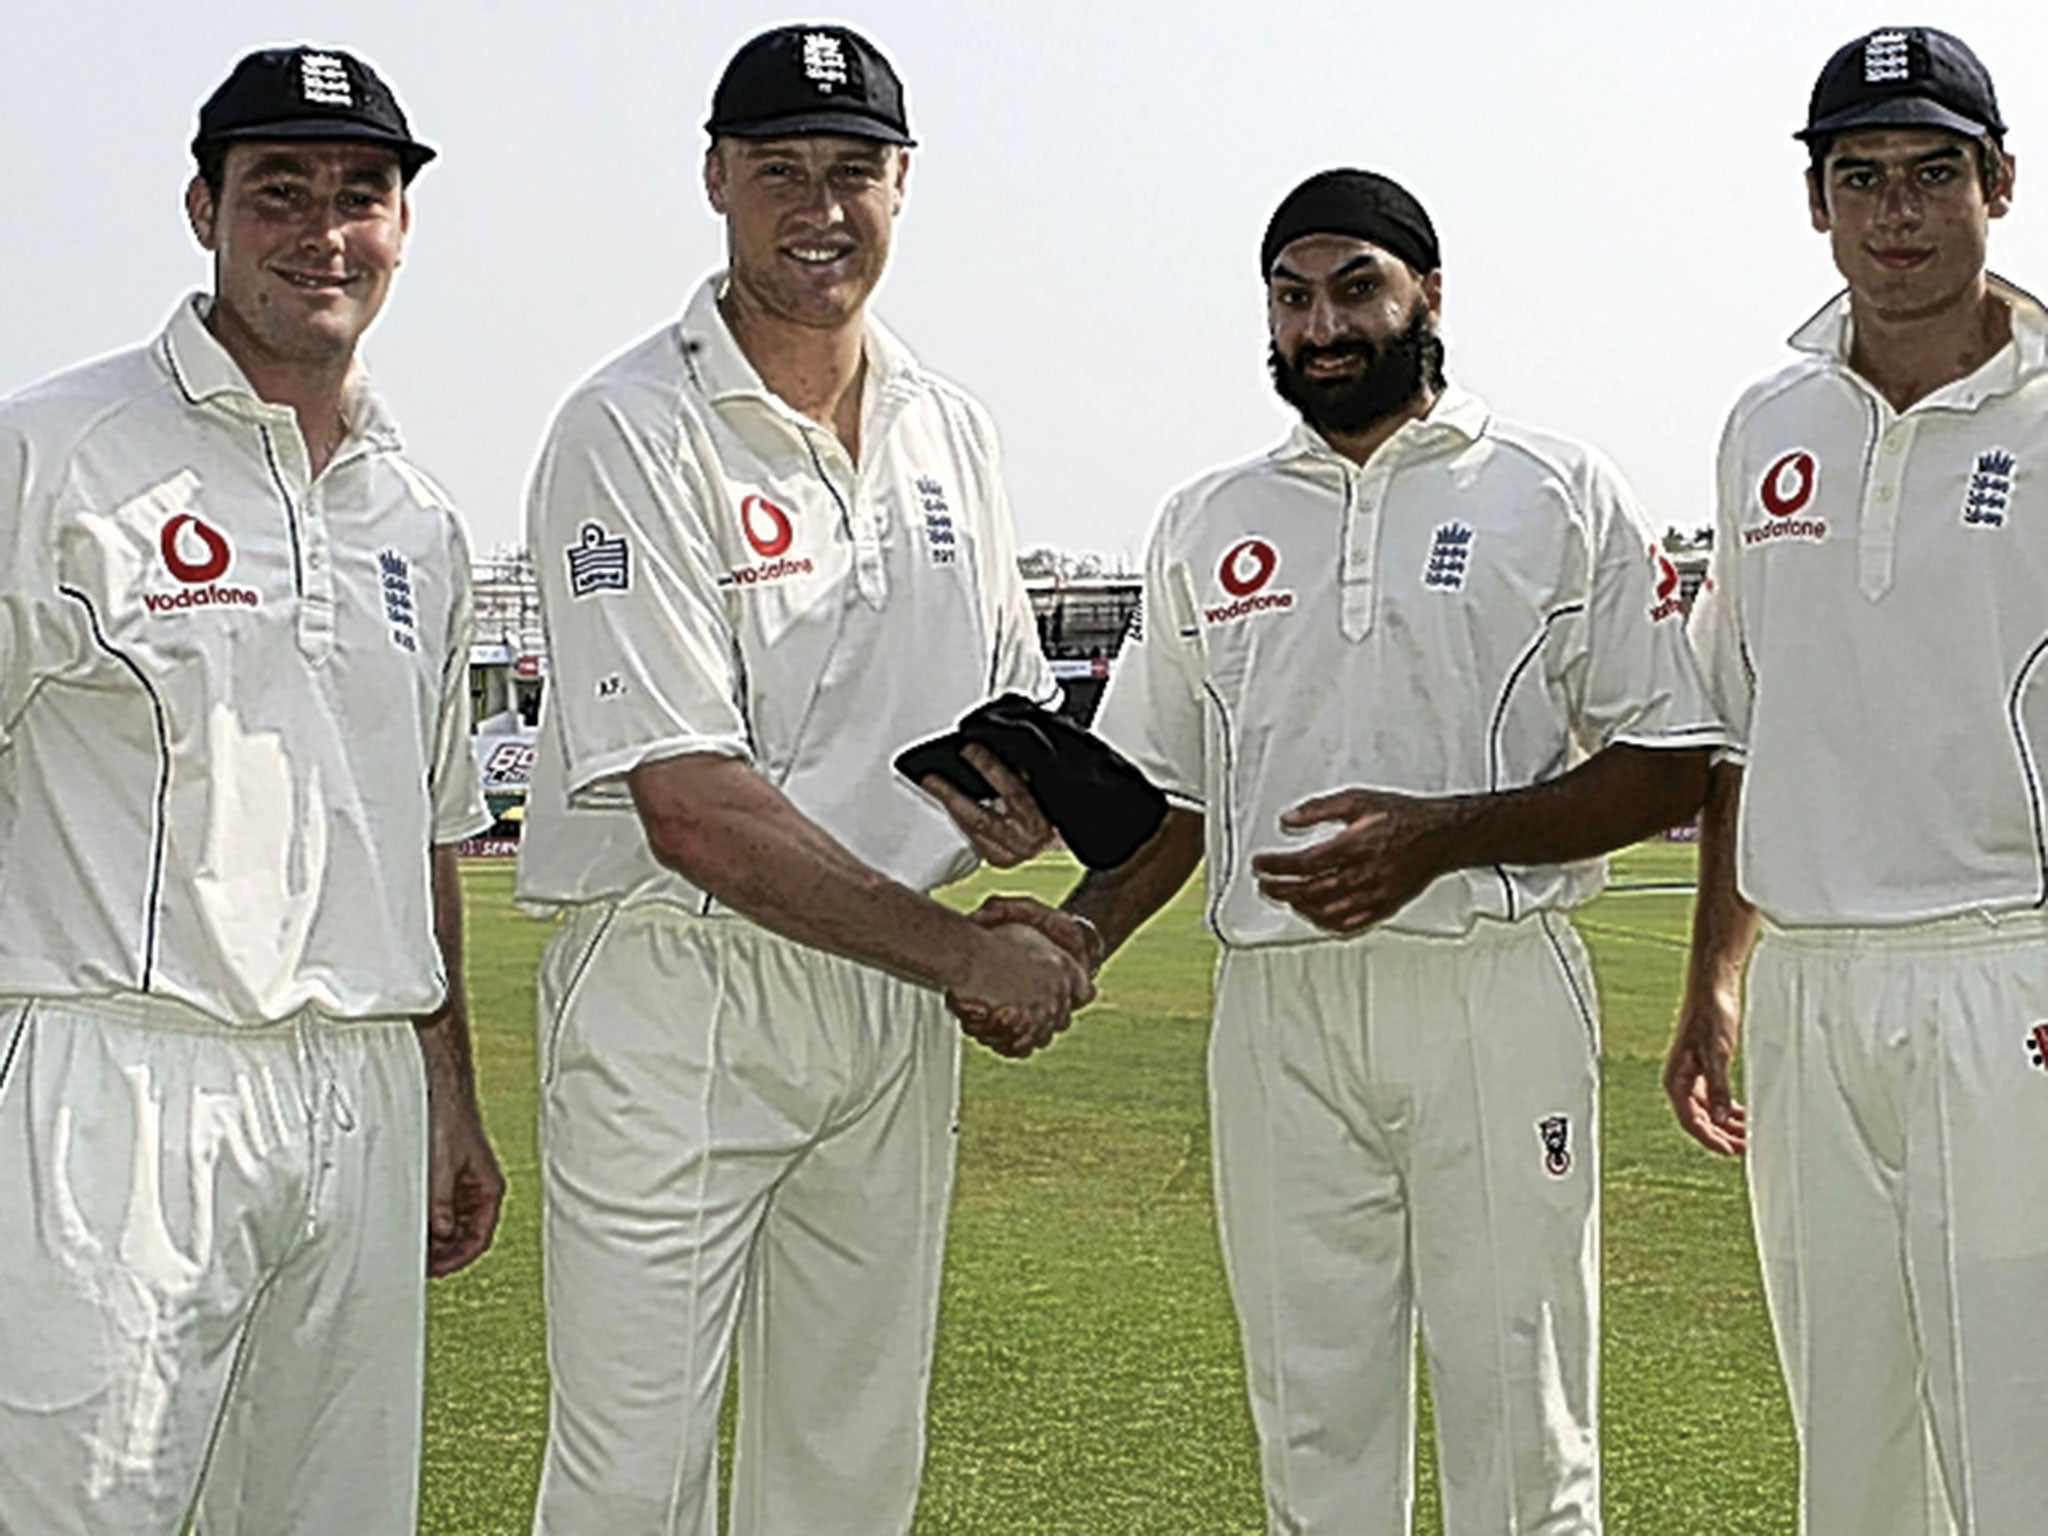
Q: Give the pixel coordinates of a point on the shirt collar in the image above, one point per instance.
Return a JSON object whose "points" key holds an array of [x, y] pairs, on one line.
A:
{"points": [[723, 371], [208, 375], [1827, 335], [1458, 417]]}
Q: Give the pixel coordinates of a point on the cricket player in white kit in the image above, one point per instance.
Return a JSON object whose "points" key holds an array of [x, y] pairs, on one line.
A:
{"points": [[773, 552], [1874, 631], [1405, 677], [237, 1123]]}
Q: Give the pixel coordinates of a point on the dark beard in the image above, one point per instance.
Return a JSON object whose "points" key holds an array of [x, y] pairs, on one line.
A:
{"points": [[1394, 375]]}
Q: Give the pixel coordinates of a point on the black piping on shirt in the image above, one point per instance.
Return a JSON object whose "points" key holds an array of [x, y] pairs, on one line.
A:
{"points": [[159, 812], [2026, 756], [1500, 713]]}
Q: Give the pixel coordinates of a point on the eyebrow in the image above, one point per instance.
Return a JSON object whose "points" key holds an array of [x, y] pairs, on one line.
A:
{"points": [[781, 149], [1365, 259], [1867, 162], [279, 162]]}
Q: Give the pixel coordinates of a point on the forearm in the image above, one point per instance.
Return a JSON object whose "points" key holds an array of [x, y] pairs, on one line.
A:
{"points": [[1724, 925], [444, 1033], [1616, 797], [1117, 901], [728, 831]]}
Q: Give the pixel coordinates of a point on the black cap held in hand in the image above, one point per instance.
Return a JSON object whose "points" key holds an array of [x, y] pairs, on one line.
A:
{"points": [[1362, 204], [308, 93], [1103, 806], [1903, 77], [815, 79]]}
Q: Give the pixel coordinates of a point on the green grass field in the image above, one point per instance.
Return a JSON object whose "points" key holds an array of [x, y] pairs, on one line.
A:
{"points": [[1087, 1381]]}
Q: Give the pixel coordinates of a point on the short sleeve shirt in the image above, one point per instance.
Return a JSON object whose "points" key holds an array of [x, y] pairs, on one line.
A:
{"points": [[717, 575], [234, 702], [1875, 628], [1476, 608]]}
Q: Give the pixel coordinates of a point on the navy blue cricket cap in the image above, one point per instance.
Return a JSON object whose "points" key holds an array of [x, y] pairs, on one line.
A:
{"points": [[809, 79], [1903, 77], [308, 93]]}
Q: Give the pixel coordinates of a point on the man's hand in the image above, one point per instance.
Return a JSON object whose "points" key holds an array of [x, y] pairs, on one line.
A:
{"points": [[1077, 936], [1696, 1073], [464, 1186], [1020, 990], [1006, 830], [1391, 847]]}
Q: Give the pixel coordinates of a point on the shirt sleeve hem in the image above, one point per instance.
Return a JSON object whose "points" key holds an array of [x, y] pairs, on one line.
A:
{"points": [[591, 773]]}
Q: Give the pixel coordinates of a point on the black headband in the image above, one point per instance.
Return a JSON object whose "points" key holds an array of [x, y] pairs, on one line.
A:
{"points": [[1357, 203]]}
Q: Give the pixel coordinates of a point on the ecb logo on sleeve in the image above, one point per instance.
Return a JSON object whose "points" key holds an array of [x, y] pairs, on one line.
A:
{"points": [[1556, 1131], [2037, 1046], [597, 562]]}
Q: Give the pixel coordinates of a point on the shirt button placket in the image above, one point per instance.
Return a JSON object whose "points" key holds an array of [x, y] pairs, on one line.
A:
{"points": [[1364, 494], [1878, 524], [316, 607]]}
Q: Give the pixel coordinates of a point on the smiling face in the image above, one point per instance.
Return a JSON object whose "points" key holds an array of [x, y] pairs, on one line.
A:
{"points": [[1353, 330], [808, 221], [305, 238], [1907, 214]]}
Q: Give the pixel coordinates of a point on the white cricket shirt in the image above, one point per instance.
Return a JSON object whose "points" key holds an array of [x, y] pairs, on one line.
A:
{"points": [[1476, 608], [234, 699], [717, 575], [1875, 629]]}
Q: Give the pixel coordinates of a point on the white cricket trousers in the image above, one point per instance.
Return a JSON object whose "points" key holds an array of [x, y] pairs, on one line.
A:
{"points": [[739, 1135], [212, 1272], [1407, 1127], [1898, 1163]]}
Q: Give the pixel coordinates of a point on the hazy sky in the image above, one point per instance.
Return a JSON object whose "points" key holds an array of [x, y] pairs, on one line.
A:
{"points": [[1620, 207]]}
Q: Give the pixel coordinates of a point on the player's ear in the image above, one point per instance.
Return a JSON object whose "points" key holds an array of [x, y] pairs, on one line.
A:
{"points": [[1816, 202], [714, 177], [2000, 199], [1433, 292], [900, 179], [200, 211]]}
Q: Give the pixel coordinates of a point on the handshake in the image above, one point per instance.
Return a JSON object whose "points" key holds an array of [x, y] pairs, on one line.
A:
{"points": [[1036, 965], [1010, 777], [1021, 985]]}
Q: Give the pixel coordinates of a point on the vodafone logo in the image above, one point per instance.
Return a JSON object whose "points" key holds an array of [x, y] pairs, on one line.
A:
{"points": [[770, 533], [1788, 485], [766, 526], [1245, 569], [1668, 600], [1247, 566], [195, 552]]}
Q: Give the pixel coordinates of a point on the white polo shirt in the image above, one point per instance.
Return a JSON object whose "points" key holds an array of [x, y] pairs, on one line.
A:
{"points": [[234, 699], [717, 575], [1476, 608], [1875, 632]]}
